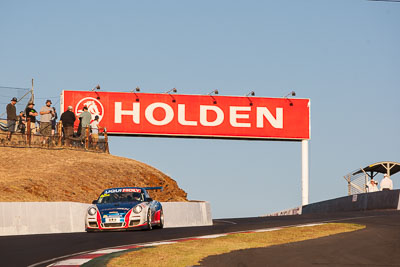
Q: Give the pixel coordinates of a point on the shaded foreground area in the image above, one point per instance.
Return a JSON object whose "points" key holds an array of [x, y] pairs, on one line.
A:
{"points": [[189, 253], [376, 245], [34, 174]]}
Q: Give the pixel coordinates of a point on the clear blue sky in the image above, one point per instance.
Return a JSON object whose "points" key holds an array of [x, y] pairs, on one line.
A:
{"points": [[343, 55]]}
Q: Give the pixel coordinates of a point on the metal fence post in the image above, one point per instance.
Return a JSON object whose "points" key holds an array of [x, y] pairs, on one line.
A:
{"points": [[28, 131], [106, 141], [59, 129], [87, 138]]}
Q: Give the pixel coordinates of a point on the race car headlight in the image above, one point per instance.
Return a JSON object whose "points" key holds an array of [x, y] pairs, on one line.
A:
{"points": [[92, 211], [137, 209]]}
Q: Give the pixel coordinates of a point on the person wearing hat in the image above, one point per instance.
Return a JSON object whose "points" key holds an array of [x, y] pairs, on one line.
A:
{"points": [[68, 120], [31, 114], [46, 114], [11, 117], [386, 183], [372, 186]]}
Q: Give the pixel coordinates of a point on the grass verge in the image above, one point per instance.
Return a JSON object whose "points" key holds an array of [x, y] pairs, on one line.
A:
{"points": [[190, 253]]}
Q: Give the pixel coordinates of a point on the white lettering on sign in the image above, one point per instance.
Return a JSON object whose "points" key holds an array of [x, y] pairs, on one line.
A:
{"points": [[263, 112], [169, 113], [204, 115], [182, 118], [234, 116], [235, 113], [135, 112]]}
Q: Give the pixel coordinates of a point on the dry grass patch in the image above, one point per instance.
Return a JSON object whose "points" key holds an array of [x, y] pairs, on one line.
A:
{"points": [[190, 253], [34, 174]]}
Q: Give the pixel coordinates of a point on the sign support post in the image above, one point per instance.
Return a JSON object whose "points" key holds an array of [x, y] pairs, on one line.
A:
{"points": [[304, 172]]}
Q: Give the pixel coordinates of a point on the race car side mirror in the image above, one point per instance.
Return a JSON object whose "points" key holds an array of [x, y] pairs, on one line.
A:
{"points": [[149, 199], [94, 202]]}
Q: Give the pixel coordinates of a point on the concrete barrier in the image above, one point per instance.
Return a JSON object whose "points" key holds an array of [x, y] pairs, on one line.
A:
{"points": [[182, 214], [22, 218], [368, 201]]}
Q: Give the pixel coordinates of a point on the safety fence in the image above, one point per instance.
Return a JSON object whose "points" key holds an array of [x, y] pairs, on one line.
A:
{"points": [[356, 182], [31, 137]]}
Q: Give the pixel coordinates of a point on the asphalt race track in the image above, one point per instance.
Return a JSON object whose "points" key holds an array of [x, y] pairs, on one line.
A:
{"points": [[41, 250], [377, 245]]}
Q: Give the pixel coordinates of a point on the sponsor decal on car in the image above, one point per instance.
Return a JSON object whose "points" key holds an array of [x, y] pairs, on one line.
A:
{"points": [[132, 190], [113, 191], [119, 190]]}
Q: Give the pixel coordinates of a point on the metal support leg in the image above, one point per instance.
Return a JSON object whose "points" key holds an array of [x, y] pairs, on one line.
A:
{"points": [[304, 172]]}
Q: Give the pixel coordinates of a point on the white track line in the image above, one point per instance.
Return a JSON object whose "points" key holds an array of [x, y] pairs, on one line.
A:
{"points": [[224, 221], [157, 244], [107, 251]]}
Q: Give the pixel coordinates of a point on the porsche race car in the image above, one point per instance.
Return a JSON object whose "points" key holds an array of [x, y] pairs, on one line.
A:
{"points": [[124, 208]]}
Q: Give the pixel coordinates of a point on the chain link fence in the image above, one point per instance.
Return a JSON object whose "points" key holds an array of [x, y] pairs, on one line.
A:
{"points": [[356, 182], [23, 95], [25, 136]]}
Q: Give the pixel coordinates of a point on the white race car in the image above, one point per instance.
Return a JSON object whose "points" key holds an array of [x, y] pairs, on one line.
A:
{"points": [[124, 208]]}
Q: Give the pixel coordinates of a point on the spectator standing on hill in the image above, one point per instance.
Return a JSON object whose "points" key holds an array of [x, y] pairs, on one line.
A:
{"points": [[386, 183], [11, 117], [95, 130], [31, 114], [46, 114], [54, 121], [86, 118], [68, 120], [21, 122]]}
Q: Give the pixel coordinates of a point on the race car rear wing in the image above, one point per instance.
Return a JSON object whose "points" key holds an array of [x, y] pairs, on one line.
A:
{"points": [[154, 188]]}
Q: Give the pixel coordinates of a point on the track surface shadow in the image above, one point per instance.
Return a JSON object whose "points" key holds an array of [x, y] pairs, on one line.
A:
{"points": [[377, 245]]}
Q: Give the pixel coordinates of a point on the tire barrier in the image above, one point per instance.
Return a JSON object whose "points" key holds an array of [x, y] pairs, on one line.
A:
{"points": [[24, 218]]}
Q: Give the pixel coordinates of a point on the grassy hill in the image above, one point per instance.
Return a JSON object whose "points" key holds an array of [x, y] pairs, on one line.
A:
{"points": [[32, 174]]}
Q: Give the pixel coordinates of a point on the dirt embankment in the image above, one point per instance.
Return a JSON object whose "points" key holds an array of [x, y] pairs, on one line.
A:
{"points": [[29, 174]]}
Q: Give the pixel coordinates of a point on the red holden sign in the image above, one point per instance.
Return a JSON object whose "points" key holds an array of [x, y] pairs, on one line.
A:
{"points": [[195, 115]]}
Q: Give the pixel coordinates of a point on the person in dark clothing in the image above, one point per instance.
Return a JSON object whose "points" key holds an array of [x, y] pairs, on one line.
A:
{"points": [[68, 120], [21, 122], [54, 122], [31, 114], [79, 132], [11, 117]]}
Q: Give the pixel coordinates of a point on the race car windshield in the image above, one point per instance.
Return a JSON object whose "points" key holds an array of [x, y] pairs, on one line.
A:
{"points": [[120, 197]]}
